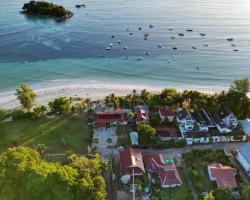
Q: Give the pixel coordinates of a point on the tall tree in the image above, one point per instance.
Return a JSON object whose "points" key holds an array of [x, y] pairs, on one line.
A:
{"points": [[60, 105], [147, 134], [246, 192], [209, 196], [145, 96], [241, 86], [26, 96]]}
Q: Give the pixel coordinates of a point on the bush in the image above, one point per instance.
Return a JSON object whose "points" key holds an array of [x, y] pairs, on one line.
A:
{"points": [[4, 114], [21, 114]]}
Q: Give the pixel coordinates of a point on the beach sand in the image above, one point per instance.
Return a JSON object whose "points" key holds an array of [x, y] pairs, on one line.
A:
{"points": [[94, 90]]}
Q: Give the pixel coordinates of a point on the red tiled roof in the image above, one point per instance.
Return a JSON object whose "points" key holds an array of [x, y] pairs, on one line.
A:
{"points": [[119, 115], [167, 132], [166, 111], [224, 175], [131, 159], [168, 174]]}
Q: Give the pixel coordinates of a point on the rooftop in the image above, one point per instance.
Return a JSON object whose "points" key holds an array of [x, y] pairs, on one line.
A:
{"points": [[168, 132], [166, 111]]}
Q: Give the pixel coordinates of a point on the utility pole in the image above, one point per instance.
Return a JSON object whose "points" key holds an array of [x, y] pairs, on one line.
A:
{"points": [[133, 184]]}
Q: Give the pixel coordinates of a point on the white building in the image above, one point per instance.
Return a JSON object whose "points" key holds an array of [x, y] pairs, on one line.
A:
{"points": [[185, 120]]}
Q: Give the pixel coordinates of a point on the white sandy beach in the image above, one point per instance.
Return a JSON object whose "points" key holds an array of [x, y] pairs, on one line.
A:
{"points": [[91, 89]]}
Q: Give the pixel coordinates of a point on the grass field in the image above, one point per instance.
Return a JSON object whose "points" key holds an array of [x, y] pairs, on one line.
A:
{"points": [[59, 134], [179, 193]]}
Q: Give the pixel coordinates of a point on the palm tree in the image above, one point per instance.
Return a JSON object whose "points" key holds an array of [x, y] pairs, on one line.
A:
{"points": [[128, 100], [88, 103], [145, 95]]}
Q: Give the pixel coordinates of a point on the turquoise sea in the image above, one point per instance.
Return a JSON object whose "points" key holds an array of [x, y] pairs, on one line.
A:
{"points": [[43, 51]]}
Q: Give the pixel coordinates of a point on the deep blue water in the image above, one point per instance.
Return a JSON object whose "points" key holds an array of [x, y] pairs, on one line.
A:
{"points": [[35, 50]]}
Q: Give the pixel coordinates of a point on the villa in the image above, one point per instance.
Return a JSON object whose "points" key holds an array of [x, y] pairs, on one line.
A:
{"points": [[131, 162], [185, 120], [228, 117], [203, 120], [223, 175], [142, 114], [166, 113], [168, 133], [106, 118], [162, 172]]}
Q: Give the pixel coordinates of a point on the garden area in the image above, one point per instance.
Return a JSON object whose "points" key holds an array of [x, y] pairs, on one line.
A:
{"points": [[197, 162], [60, 133]]}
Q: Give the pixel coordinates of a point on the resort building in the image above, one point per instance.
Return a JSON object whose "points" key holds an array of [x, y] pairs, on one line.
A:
{"points": [[131, 162], [161, 171], [168, 133], [203, 120], [243, 157], [219, 123], [228, 117], [107, 118], [223, 175], [142, 114], [185, 120], [166, 113]]}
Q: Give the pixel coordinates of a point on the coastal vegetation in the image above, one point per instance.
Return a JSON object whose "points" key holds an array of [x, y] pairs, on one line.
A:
{"points": [[24, 175], [43, 8]]}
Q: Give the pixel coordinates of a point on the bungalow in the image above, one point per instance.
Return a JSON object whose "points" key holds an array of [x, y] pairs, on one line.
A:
{"points": [[185, 120], [142, 114], [203, 120], [223, 175], [228, 117], [245, 124], [168, 133], [164, 173], [103, 119], [243, 157], [131, 162], [166, 113], [219, 123]]}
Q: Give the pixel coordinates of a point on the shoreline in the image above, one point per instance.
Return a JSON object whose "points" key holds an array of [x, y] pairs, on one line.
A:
{"points": [[48, 91]]}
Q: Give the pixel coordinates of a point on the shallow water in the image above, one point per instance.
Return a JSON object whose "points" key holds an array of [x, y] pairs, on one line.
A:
{"points": [[42, 51]]}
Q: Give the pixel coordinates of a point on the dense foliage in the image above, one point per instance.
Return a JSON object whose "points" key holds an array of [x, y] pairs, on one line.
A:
{"points": [[60, 105], [26, 96], [24, 175], [147, 134], [45, 8]]}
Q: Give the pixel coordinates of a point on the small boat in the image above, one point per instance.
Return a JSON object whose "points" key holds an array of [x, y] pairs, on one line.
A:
{"points": [[127, 30], [139, 59], [172, 37], [159, 45], [131, 33], [174, 48], [236, 50], [230, 39], [169, 60], [108, 48], [110, 44], [181, 34], [203, 34], [205, 45], [101, 56], [151, 26], [170, 29], [125, 48], [112, 36], [148, 53], [139, 28], [194, 48], [198, 68], [119, 41], [189, 30], [145, 38], [146, 34]]}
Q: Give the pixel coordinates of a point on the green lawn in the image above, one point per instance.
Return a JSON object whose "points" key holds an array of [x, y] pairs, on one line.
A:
{"points": [[59, 134], [179, 193]]}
